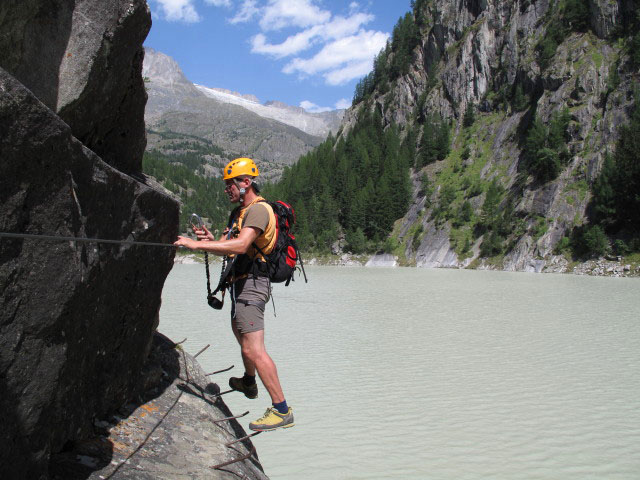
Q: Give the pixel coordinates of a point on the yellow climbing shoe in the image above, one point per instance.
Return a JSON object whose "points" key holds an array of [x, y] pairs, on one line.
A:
{"points": [[273, 419]]}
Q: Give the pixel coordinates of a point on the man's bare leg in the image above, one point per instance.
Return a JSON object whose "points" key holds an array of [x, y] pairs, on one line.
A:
{"points": [[249, 366], [256, 358]]}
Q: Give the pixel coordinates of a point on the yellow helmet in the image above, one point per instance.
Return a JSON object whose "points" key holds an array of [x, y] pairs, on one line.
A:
{"points": [[240, 166]]}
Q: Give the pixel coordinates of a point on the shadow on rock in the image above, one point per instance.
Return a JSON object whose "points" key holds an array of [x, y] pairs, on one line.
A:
{"points": [[80, 459], [178, 425]]}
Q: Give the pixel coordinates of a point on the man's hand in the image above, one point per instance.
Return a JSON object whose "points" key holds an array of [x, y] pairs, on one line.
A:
{"points": [[233, 246], [187, 242], [203, 233]]}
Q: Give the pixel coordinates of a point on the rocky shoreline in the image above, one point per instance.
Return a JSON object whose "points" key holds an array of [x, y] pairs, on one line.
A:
{"points": [[601, 267]]}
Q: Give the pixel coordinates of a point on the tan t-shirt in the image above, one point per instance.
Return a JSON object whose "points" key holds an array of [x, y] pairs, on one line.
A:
{"points": [[257, 216]]}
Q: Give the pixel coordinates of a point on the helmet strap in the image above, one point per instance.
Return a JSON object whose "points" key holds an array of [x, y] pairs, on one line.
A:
{"points": [[241, 189]]}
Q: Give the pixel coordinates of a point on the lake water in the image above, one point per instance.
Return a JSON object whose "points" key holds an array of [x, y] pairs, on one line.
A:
{"points": [[437, 374]]}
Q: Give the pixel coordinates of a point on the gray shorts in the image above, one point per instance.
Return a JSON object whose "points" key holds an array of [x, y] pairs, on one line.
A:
{"points": [[251, 295]]}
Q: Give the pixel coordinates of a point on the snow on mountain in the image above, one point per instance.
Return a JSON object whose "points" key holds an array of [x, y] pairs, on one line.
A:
{"points": [[317, 124]]}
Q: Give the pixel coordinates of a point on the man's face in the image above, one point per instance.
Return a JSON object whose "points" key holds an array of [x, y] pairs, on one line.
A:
{"points": [[233, 186], [232, 191]]}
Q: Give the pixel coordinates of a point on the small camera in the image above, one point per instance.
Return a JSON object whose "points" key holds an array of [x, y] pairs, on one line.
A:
{"points": [[214, 302]]}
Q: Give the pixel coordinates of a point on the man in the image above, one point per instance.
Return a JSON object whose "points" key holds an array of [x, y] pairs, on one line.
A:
{"points": [[253, 224]]}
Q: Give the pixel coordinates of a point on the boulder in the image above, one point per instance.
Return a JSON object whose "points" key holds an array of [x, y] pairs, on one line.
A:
{"points": [[83, 59], [76, 319]]}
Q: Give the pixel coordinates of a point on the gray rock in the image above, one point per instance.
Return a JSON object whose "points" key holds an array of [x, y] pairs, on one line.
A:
{"points": [[83, 59], [76, 319], [439, 252], [176, 430], [382, 260]]}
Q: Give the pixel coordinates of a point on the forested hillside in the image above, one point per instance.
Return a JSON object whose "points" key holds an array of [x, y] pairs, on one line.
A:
{"points": [[357, 185], [184, 176], [498, 134]]}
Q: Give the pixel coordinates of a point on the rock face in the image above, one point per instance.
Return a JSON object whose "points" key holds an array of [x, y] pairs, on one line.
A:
{"points": [[76, 319], [480, 54], [83, 60], [179, 428]]}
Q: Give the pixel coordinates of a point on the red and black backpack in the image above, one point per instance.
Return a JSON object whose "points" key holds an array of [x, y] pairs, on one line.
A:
{"points": [[283, 260]]}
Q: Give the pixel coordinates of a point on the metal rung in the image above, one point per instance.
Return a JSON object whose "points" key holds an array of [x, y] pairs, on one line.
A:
{"points": [[242, 439], [231, 418], [235, 460], [208, 345], [220, 371]]}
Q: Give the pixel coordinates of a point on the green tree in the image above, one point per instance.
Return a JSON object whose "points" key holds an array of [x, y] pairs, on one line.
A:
{"points": [[489, 214], [428, 145], [466, 212], [576, 15], [444, 140], [604, 195], [545, 148], [616, 202], [356, 241], [545, 164], [589, 241], [435, 143], [627, 177], [520, 100], [469, 115]]}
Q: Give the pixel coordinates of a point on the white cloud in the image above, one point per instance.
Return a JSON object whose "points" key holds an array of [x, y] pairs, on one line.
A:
{"points": [[179, 10], [346, 48], [343, 59], [219, 3], [343, 103], [337, 28], [347, 73], [292, 13], [313, 108], [279, 14], [248, 10], [291, 46], [340, 26]]}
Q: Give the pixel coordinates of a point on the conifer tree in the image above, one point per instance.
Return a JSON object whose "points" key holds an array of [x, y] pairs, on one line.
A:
{"points": [[545, 148], [428, 144], [444, 140], [520, 101], [469, 115]]}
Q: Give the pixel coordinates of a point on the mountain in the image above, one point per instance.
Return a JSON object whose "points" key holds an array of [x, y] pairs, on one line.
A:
{"points": [[316, 124], [502, 115], [183, 117]]}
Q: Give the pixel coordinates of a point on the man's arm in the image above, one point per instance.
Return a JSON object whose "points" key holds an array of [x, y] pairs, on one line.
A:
{"points": [[233, 246]]}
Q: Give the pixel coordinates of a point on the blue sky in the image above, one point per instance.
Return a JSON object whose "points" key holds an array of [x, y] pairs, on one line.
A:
{"points": [[308, 53]]}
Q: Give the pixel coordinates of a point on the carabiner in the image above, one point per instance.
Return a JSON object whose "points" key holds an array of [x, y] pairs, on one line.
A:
{"points": [[196, 221]]}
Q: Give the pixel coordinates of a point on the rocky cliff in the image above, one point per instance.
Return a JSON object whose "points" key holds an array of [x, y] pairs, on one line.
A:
{"points": [[77, 319], [509, 64]]}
